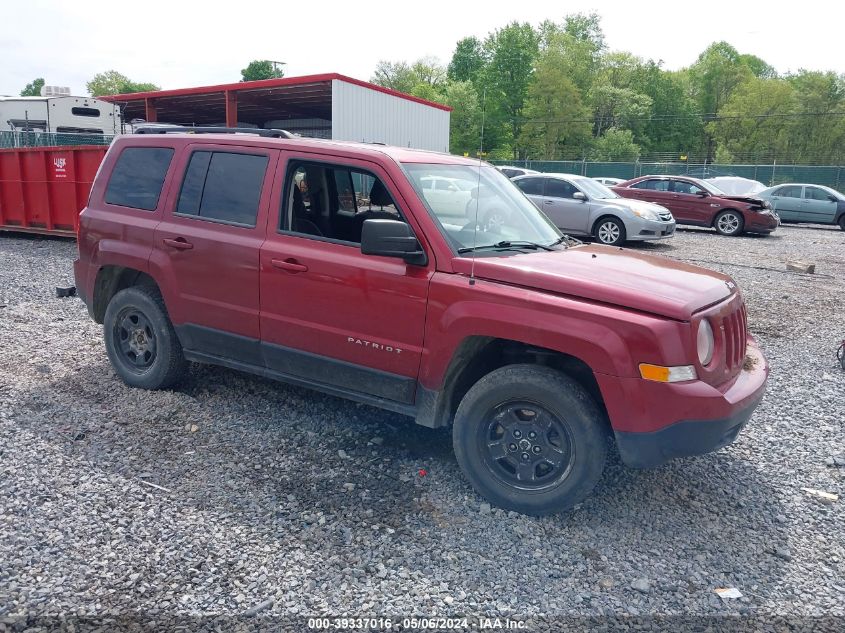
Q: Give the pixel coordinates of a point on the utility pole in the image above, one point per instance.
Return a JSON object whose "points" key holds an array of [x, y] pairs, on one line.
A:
{"points": [[275, 63]]}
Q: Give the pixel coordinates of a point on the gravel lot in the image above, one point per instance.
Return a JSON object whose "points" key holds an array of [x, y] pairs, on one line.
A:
{"points": [[236, 495]]}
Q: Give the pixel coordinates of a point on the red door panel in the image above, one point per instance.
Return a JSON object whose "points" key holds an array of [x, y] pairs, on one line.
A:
{"points": [[332, 315], [212, 266]]}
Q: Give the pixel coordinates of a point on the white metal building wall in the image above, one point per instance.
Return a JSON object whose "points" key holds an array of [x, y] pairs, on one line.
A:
{"points": [[363, 114]]}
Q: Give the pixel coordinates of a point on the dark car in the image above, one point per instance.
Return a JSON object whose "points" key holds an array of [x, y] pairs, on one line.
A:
{"points": [[699, 203]]}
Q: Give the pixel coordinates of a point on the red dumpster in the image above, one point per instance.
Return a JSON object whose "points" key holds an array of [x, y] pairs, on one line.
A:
{"points": [[43, 189]]}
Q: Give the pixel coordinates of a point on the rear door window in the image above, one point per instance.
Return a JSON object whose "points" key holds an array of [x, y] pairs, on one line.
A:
{"points": [[138, 176], [790, 191], [223, 187], [530, 186]]}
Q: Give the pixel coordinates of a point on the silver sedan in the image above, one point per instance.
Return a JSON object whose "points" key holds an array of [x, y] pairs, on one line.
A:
{"points": [[581, 206]]}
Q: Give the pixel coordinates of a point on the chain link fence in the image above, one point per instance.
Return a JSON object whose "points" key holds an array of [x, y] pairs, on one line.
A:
{"points": [[10, 139], [772, 174]]}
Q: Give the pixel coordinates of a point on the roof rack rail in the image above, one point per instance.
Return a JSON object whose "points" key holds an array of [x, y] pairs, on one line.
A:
{"points": [[214, 130]]}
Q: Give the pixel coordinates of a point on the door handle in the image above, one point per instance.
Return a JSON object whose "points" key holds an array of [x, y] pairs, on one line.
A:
{"points": [[548, 202], [291, 265], [180, 242]]}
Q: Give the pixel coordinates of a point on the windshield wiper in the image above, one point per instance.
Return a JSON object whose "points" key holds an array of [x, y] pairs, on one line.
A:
{"points": [[570, 241], [505, 245]]}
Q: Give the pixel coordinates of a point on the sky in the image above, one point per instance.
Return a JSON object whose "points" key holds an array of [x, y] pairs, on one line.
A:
{"points": [[183, 43]]}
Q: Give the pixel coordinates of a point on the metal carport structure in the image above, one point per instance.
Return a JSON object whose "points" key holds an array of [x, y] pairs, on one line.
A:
{"points": [[327, 106]]}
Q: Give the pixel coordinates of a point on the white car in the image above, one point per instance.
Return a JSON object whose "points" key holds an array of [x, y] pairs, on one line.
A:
{"points": [[609, 182], [448, 195], [512, 172]]}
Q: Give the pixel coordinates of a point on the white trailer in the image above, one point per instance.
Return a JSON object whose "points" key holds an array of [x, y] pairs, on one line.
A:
{"points": [[64, 114]]}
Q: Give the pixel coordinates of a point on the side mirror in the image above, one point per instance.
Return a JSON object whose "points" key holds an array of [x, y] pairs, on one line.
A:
{"points": [[833, 198], [391, 238], [579, 196], [702, 194]]}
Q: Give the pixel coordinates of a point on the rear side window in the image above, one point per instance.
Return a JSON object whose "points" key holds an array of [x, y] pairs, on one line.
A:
{"points": [[814, 193], [138, 176], [654, 185], [531, 186], [559, 188], [223, 186]]}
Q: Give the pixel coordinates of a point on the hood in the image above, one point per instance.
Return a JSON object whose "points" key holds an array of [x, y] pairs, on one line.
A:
{"points": [[638, 205], [746, 199], [610, 275]]}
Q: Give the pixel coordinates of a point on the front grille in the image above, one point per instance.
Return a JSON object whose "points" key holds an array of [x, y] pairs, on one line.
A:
{"points": [[733, 330], [730, 326]]}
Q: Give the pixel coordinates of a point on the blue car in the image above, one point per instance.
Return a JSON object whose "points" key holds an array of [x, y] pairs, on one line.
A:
{"points": [[806, 203]]}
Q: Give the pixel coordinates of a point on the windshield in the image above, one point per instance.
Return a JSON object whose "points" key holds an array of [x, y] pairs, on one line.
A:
{"points": [[595, 190], [482, 208]]}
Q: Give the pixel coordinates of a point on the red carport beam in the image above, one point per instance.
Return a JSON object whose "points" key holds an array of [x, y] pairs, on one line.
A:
{"points": [[231, 108], [150, 115]]}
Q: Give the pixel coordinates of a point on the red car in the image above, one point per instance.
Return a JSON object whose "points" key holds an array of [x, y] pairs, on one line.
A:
{"points": [[333, 266], [699, 203]]}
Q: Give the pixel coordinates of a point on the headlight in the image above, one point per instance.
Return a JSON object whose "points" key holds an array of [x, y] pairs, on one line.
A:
{"points": [[767, 204], [646, 214], [704, 342]]}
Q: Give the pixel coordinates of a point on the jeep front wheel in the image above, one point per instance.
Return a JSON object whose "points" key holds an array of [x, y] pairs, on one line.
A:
{"points": [[140, 340], [530, 439]]}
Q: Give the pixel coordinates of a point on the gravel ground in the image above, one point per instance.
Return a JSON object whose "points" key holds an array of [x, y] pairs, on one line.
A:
{"points": [[236, 496]]}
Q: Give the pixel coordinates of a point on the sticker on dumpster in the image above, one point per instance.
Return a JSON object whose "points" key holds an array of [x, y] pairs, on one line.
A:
{"points": [[60, 164]]}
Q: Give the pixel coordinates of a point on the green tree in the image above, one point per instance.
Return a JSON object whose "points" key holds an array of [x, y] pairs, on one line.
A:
{"points": [[615, 145], [818, 136], [557, 122], [619, 107], [758, 67], [585, 27], [261, 69], [425, 78], [512, 51], [465, 120], [717, 72], [467, 60], [33, 89], [675, 124], [750, 122], [112, 82]]}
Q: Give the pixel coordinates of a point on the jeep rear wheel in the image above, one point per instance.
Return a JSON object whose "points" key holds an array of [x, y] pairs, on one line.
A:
{"points": [[842, 222], [530, 439], [140, 340], [729, 222]]}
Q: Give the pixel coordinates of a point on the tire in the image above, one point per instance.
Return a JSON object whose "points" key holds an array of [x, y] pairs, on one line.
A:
{"points": [[545, 415], [610, 231], [842, 222], [729, 222], [140, 340]]}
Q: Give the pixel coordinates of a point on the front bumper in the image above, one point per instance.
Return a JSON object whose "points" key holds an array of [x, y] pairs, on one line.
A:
{"points": [[762, 222], [682, 439], [649, 229], [654, 422]]}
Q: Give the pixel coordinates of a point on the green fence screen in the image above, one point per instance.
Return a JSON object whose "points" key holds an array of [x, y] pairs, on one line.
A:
{"points": [[773, 174]]}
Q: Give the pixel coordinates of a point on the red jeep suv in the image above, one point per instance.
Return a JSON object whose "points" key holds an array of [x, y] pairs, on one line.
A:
{"points": [[700, 203], [338, 267]]}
